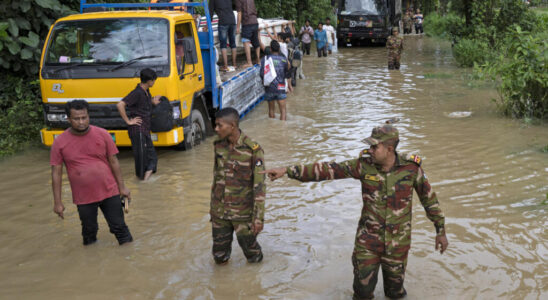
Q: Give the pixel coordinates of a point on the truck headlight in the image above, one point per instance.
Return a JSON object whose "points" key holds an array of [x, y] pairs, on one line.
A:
{"points": [[176, 112], [57, 117]]}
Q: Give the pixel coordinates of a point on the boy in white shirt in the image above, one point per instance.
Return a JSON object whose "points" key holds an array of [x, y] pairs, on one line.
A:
{"points": [[330, 35], [280, 38]]}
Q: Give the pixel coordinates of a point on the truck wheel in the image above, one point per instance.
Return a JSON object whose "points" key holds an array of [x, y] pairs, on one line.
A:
{"points": [[197, 132]]}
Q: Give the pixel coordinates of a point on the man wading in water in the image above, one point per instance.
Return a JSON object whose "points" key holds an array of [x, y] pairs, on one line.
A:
{"points": [[383, 237], [94, 174], [238, 190], [139, 103]]}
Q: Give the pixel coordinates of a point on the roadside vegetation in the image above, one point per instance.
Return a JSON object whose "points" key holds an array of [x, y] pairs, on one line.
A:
{"points": [[505, 41]]}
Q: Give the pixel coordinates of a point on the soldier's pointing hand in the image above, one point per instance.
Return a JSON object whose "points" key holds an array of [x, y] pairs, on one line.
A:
{"points": [[275, 173]]}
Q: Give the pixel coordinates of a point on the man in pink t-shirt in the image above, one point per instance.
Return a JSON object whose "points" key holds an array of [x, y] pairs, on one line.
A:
{"points": [[89, 155]]}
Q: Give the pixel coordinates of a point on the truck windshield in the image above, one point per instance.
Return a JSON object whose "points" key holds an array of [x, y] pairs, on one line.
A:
{"points": [[109, 41], [367, 7]]}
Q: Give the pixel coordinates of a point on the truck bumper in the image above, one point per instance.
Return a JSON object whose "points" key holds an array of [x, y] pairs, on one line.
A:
{"points": [[362, 35], [121, 137]]}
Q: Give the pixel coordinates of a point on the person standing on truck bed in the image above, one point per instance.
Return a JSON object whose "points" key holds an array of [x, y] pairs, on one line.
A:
{"points": [[394, 44], [276, 92], [139, 104], [226, 28], [238, 190], [247, 18], [89, 154], [306, 34], [383, 236]]}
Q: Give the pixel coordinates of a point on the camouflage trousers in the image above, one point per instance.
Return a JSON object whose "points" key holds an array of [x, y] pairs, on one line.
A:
{"points": [[394, 62], [408, 28], [366, 268], [222, 240]]}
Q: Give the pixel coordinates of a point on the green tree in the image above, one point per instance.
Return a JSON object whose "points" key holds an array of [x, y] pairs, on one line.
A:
{"points": [[298, 10]]}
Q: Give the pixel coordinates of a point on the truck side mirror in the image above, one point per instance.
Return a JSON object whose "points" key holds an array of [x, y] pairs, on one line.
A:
{"points": [[191, 57]]}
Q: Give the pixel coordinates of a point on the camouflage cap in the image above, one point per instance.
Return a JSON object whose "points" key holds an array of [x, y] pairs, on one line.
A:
{"points": [[381, 134]]}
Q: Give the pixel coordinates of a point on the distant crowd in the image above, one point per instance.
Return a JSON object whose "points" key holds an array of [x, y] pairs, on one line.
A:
{"points": [[411, 20]]}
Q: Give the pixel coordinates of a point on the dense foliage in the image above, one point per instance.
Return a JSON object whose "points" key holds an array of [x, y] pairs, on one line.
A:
{"points": [[21, 113], [521, 75], [23, 29], [448, 26], [24, 26], [506, 41], [298, 10]]}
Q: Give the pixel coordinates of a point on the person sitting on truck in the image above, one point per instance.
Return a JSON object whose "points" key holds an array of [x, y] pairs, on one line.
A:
{"points": [[247, 17], [226, 28], [179, 53], [139, 103], [320, 36], [276, 92], [394, 44], [306, 34], [418, 22]]}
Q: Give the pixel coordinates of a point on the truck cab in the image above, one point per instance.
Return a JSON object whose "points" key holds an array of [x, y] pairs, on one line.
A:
{"points": [[366, 20], [98, 56]]}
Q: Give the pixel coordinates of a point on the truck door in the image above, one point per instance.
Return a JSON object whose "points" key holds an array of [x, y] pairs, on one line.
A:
{"points": [[189, 74]]}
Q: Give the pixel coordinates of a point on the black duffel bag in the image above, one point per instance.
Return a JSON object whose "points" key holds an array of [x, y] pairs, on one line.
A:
{"points": [[162, 116]]}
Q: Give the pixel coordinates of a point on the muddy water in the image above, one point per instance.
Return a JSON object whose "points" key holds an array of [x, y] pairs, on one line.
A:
{"points": [[488, 171]]}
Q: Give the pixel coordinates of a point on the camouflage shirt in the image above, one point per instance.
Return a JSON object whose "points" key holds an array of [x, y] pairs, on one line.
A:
{"points": [[385, 222], [238, 190], [394, 45], [407, 21]]}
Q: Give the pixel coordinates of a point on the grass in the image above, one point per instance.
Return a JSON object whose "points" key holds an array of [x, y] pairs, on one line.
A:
{"points": [[540, 10], [438, 75]]}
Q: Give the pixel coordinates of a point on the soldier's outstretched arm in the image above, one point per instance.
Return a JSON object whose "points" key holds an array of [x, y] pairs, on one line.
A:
{"points": [[275, 173], [318, 171]]}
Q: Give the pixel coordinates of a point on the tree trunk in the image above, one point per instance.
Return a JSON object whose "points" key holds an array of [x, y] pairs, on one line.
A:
{"points": [[468, 12]]}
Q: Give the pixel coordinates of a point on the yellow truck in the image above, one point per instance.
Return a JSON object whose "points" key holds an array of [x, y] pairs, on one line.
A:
{"points": [[97, 56]]}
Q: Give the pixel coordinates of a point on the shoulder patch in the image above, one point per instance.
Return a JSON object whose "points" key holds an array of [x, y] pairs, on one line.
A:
{"points": [[251, 144], [414, 158], [371, 177], [364, 153]]}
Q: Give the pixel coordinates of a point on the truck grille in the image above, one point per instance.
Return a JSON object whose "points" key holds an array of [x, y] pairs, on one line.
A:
{"points": [[102, 115]]}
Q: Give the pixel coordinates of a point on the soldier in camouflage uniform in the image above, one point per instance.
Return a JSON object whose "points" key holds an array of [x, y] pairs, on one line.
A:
{"points": [[383, 237], [238, 191], [408, 23], [394, 44]]}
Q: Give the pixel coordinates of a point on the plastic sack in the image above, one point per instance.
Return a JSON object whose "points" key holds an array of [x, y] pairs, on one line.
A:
{"points": [[269, 71]]}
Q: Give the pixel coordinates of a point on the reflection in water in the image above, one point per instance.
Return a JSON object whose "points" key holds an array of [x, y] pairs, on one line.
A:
{"points": [[488, 172]]}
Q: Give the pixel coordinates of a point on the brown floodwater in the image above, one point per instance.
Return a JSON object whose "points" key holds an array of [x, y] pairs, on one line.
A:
{"points": [[489, 172]]}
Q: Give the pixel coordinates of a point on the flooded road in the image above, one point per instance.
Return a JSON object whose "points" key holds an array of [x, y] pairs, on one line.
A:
{"points": [[488, 171]]}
